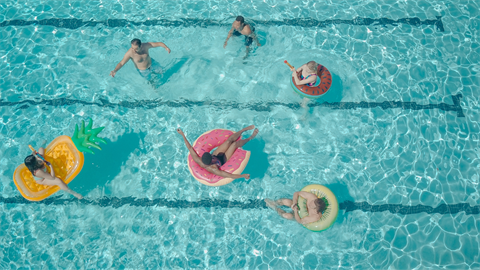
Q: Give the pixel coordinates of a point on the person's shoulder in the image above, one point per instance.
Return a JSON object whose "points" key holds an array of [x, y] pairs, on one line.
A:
{"points": [[129, 52]]}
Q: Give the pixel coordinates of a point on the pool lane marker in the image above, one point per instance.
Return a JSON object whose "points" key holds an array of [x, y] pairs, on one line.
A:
{"points": [[348, 206], [73, 23], [229, 105]]}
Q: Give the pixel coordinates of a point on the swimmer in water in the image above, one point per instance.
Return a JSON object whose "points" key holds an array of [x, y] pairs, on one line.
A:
{"points": [[145, 65], [239, 27]]}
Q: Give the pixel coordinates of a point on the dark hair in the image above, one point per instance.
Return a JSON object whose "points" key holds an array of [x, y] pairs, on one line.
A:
{"points": [[207, 158], [32, 164], [321, 206], [240, 19], [137, 42]]}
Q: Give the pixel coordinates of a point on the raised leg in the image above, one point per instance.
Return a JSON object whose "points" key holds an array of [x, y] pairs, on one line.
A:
{"points": [[237, 144], [224, 146], [273, 205], [58, 182], [285, 202]]}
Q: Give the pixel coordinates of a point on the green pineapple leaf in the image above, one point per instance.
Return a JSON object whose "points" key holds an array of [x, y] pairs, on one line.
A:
{"points": [[87, 137]]}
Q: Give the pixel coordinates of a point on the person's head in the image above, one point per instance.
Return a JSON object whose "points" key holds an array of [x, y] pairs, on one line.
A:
{"points": [[320, 205], [207, 158], [239, 21], [312, 65], [33, 163], [136, 43]]}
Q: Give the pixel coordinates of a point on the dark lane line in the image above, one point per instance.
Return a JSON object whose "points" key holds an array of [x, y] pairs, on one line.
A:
{"points": [[192, 22], [348, 206], [229, 105]]}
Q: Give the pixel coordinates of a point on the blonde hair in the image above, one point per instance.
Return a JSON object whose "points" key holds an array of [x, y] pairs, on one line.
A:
{"points": [[312, 65]]}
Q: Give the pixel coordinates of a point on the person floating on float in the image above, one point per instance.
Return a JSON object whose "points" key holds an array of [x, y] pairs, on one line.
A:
{"points": [[315, 207], [52, 168], [305, 81], [226, 163]]}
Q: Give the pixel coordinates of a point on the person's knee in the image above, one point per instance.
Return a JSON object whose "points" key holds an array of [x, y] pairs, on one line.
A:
{"points": [[287, 216]]}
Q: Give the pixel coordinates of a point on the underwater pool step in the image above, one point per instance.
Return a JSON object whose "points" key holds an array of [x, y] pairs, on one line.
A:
{"points": [[193, 22], [228, 105], [348, 206]]}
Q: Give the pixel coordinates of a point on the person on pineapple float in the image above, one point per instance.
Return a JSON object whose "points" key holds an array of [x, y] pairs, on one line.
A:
{"points": [[38, 168]]}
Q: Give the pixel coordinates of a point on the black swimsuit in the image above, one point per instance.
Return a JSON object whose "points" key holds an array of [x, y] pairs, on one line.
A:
{"points": [[248, 39], [222, 158]]}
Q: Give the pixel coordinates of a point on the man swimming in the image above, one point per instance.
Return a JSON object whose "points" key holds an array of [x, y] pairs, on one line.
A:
{"points": [[213, 162], [239, 27], [145, 65], [315, 207]]}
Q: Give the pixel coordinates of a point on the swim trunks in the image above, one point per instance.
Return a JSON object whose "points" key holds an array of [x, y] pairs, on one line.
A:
{"points": [[155, 68], [248, 39]]}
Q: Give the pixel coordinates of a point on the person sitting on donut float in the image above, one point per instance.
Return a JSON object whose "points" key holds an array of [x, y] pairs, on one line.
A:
{"points": [[308, 76], [315, 207], [213, 162]]}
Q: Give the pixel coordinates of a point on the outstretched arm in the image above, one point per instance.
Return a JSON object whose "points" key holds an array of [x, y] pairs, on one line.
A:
{"points": [[194, 154], [226, 174], [120, 65], [159, 44], [228, 37]]}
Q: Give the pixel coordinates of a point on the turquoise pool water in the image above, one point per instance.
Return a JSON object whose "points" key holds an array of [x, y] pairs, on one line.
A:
{"points": [[144, 210]]}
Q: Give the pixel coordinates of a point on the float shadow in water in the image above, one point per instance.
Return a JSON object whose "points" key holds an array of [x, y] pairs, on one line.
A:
{"points": [[342, 194], [335, 93], [258, 163], [105, 164]]}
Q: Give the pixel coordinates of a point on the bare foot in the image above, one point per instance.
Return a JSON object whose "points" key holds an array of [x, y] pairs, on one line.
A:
{"points": [[249, 127], [271, 204], [255, 132]]}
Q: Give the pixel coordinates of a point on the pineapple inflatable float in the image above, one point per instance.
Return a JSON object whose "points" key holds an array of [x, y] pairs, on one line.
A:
{"points": [[65, 155]]}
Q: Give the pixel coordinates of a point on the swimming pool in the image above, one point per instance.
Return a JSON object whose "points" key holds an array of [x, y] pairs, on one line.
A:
{"points": [[389, 140]]}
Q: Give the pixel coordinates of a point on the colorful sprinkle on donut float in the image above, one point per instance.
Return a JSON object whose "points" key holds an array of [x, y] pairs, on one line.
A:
{"points": [[206, 143]]}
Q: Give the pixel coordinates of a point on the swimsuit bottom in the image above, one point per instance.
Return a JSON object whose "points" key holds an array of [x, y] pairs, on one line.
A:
{"points": [[222, 158], [155, 68], [248, 39], [40, 178]]}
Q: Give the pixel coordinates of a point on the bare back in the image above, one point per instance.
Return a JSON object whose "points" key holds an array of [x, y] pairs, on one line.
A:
{"points": [[313, 215]]}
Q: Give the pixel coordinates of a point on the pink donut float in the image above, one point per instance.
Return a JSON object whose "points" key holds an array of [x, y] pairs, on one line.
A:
{"points": [[206, 143]]}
